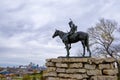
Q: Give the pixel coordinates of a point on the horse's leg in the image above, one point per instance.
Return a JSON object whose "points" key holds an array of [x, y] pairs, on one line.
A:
{"points": [[88, 49], [69, 46], [83, 44], [87, 45], [67, 49]]}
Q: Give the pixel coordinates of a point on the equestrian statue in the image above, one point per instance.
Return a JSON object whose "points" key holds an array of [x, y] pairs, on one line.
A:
{"points": [[72, 37]]}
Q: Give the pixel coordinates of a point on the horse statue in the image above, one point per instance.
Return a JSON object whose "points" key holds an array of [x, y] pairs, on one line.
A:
{"points": [[78, 36]]}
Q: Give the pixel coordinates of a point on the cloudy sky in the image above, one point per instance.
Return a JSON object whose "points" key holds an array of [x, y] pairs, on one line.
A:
{"points": [[27, 26]]}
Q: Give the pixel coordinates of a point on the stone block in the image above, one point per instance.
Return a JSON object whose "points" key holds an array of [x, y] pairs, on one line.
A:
{"points": [[79, 76], [52, 78], [90, 66], [50, 74], [95, 61], [110, 72], [51, 69], [66, 60], [66, 79], [85, 76], [61, 70], [109, 60], [62, 65], [83, 60], [73, 76], [63, 75], [50, 64], [75, 60], [94, 72], [106, 66], [75, 71], [48, 60], [103, 78], [76, 65]]}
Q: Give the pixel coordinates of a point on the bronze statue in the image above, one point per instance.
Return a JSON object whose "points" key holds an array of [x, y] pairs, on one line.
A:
{"points": [[73, 37]]}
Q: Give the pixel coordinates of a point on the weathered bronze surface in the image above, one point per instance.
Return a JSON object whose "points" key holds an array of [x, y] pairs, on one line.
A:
{"points": [[72, 37]]}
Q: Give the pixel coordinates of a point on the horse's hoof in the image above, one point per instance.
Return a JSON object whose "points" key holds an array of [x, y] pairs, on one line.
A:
{"points": [[67, 56], [83, 56]]}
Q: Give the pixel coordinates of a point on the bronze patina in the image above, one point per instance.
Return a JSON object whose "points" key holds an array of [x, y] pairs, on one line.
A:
{"points": [[72, 37]]}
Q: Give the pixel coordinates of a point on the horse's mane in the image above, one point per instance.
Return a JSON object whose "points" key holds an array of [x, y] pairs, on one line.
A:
{"points": [[62, 31]]}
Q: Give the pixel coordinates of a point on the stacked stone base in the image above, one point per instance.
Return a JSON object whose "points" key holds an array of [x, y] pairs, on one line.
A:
{"points": [[80, 69]]}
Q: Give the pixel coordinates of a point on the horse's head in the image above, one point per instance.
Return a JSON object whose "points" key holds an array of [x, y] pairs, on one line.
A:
{"points": [[55, 34]]}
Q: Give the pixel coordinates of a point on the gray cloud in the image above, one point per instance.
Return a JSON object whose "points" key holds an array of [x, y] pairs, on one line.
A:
{"points": [[26, 27]]}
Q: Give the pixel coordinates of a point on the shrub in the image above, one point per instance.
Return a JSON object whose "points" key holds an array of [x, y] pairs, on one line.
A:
{"points": [[26, 77], [34, 78]]}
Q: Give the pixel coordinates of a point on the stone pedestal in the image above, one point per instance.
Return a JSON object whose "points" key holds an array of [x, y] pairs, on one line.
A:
{"points": [[80, 69]]}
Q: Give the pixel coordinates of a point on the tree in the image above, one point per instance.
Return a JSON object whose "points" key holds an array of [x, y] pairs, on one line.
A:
{"points": [[104, 41]]}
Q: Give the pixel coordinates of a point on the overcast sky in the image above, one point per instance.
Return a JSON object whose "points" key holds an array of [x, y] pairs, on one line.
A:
{"points": [[27, 26]]}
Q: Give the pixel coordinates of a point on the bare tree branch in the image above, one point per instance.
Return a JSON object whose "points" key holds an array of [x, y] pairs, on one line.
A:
{"points": [[102, 35]]}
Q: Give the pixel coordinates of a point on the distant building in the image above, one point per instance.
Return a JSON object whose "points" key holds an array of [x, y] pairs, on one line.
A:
{"points": [[4, 72], [23, 69]]}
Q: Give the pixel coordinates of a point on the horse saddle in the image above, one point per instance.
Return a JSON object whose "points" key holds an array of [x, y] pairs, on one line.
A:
{"points": [[68, 36]]}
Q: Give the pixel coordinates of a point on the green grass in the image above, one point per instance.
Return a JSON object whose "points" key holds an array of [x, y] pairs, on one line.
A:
{"points": [[17, 78], [27, 77], [37, 76]]}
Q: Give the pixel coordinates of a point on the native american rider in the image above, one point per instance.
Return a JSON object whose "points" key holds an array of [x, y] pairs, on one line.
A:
{"points": [[73, 29]]}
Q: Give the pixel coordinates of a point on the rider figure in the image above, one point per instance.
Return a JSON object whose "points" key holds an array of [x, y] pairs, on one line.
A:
{"points": [[72, 31], [73, 28]]}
